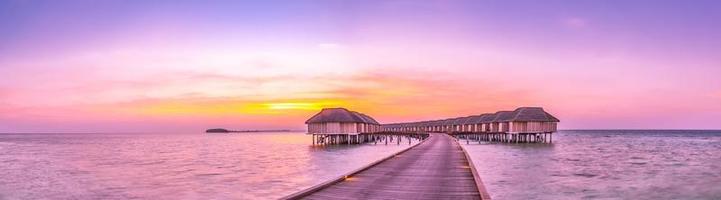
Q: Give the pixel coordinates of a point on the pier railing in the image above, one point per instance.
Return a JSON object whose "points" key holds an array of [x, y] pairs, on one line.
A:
{"points": [[505, 137], [476, 176], [398, 137], [313, 189], [378, 137]]}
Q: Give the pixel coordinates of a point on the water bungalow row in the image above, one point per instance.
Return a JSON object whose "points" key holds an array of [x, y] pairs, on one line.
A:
{"points": [[342, 126], [525, 124]]}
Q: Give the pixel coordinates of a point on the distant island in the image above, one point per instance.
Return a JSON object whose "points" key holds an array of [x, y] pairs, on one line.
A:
{"points": [[222, 130]]}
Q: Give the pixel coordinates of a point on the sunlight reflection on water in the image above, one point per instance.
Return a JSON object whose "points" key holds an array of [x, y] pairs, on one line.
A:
{"points": [[182, 166]]}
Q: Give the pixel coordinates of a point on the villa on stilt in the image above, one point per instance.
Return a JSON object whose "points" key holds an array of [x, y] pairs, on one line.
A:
{"points": [[522, 125], [341, 126]]}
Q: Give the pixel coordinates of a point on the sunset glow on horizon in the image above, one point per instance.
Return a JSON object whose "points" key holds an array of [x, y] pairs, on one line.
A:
{"points": [[185, 66]]}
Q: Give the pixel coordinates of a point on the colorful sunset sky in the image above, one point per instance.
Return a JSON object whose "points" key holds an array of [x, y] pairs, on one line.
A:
{"points": [[144, 66]]}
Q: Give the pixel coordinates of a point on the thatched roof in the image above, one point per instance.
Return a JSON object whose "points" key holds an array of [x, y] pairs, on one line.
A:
{"points": [[447, 122], [340, 115], [452, 121], [457, 121], [522, 114], [367, 119], [487, 118], [476, 119], [388, 125], [468, 120], [503, 116], [532, 114]]}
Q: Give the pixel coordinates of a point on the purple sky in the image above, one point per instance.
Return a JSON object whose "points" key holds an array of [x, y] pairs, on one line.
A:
{"points": [[186, 65]]}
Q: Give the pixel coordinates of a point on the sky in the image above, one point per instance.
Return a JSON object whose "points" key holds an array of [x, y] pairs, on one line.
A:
{"points": [[152, 66]]}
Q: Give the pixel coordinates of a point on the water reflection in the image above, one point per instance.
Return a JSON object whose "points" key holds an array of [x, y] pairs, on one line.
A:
{"points": [[604, 164], [186, 166]]}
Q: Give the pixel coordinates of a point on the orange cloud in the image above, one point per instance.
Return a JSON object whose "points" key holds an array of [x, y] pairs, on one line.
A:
{"points": [[225, 107], [384, 95]]}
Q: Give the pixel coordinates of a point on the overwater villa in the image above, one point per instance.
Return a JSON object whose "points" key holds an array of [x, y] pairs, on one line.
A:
{"points": [[341, 121], [525, 124], [340, 125], [531, 120]]}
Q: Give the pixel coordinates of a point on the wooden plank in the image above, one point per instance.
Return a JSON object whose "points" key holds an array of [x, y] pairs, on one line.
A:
{"points": [[438, 168], [479, 183], [306, 192]]}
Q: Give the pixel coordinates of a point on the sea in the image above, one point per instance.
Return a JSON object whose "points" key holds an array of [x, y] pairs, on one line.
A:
{"points": [[604, 164], [173, 166], [579, 164]]}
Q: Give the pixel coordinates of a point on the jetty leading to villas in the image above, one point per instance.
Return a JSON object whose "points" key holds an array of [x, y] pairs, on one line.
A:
{"points": [[522, 125], [435, 168]]}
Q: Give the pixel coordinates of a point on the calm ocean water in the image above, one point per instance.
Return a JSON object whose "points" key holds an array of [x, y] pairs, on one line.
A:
{"points": [[172, 166], [612, 164], [578, 165]]}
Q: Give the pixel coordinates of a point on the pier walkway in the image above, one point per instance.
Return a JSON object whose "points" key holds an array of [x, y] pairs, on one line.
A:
{"points": [[435, 169]]}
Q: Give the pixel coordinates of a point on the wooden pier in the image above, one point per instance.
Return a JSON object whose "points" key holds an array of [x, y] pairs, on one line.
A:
{"points": [[376, 138], [501, 137], [523, 125], [436, 168]]}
